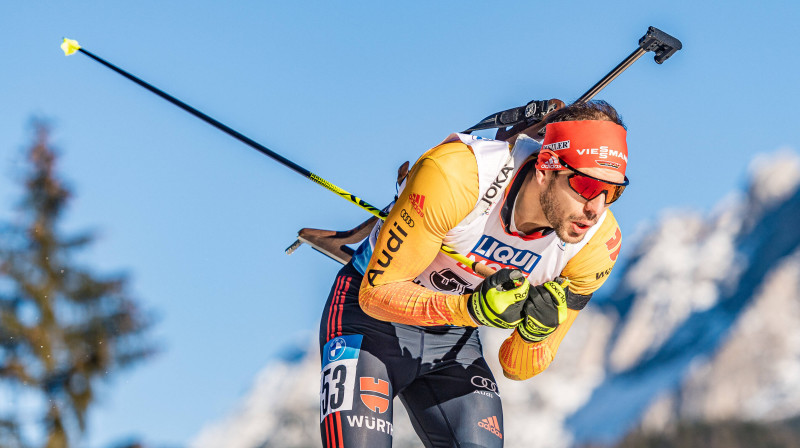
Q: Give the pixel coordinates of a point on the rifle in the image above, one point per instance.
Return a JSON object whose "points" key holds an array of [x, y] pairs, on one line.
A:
{"points": [[508, 123]]}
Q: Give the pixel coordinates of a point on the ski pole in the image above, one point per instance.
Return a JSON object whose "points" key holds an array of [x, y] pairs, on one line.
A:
{"points": [[70, 46]]}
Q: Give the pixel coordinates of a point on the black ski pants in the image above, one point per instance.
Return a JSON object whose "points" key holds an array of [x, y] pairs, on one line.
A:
{"points": [[439, 373]]}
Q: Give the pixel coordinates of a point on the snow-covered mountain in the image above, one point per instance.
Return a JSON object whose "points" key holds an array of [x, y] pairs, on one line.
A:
{"points": [[702, 324]]}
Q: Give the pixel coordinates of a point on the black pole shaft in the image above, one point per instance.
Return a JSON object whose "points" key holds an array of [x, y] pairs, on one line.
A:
{"points": [[232, 132], [611, 76], [477, 267]]}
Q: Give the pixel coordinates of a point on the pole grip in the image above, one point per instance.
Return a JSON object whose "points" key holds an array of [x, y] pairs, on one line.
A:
{"points": [[482, 270]]}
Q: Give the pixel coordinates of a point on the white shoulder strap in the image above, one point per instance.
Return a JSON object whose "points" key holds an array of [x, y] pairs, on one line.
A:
{"points": [[524, 146]]}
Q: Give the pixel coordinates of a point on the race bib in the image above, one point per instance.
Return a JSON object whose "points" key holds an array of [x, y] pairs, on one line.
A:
{"points": [[338, 376]]}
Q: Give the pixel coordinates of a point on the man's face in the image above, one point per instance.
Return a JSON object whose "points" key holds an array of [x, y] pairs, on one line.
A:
{"points": [[566, 211]]}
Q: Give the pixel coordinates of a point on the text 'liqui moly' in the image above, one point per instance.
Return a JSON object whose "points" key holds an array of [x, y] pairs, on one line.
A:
{"points": [[498, 255]]}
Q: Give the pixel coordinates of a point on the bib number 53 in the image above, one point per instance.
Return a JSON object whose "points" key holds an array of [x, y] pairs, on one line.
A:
{"points": [[338, 375], [333, 388]]}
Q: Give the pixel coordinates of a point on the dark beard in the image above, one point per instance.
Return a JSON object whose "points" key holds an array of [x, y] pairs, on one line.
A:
{"points": [[554, 215]]}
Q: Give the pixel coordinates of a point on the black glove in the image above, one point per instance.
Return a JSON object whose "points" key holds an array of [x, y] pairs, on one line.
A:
{"points": [[544, 309]]}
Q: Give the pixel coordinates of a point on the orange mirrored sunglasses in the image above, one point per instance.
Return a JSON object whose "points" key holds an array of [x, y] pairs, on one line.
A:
{"points": [[589, 187]]}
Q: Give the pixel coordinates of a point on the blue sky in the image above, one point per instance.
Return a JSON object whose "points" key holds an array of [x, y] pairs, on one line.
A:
{"points": [[348, 90]]}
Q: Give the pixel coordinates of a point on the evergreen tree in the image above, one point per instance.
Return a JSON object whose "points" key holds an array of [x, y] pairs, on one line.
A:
{"points": [[63, 328]]}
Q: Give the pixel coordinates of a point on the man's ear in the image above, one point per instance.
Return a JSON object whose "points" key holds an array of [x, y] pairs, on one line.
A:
{"points": [[541, 176]]}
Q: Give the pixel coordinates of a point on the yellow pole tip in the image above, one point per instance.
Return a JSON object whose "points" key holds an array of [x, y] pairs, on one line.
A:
{"points": [[70, 46]]}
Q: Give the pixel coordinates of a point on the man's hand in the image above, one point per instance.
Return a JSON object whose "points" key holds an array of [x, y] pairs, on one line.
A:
{"points": [[544, 309], [498, 301]]}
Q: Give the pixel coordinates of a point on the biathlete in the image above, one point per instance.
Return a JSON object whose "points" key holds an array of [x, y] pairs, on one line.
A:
{"points": [[401, 318]]}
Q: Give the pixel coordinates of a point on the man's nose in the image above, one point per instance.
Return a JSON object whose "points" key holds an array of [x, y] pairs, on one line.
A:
{"points": [[596, 206]]}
